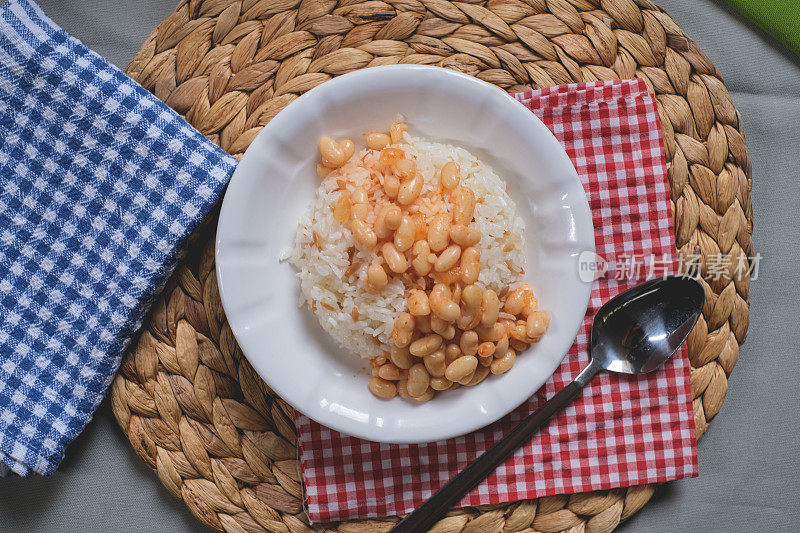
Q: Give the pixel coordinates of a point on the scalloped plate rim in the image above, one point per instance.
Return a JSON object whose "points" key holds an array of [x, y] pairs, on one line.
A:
{"points": [[393, 421]]}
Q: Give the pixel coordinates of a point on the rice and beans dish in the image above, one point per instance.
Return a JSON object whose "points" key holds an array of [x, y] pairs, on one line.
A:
{"points": [[412, 256]]}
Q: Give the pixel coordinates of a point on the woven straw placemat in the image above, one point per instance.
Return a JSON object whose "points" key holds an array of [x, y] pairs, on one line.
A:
{"points": [[191, 405]]}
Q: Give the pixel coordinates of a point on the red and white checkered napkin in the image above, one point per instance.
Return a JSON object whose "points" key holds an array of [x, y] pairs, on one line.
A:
{"points": [[623, 430]]}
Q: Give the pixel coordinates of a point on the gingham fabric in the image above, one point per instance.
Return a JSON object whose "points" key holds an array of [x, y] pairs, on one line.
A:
{"points": [[100, 184], [621, 430]]}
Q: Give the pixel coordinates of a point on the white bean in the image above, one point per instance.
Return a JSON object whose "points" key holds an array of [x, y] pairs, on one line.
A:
{"points": [[461, 367]]}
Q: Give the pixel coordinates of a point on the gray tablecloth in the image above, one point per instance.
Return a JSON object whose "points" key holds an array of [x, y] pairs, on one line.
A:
{"points": [[750, 458]]}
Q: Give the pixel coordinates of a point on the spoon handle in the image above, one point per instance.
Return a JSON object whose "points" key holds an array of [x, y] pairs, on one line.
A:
{"points": [[427, 514]]}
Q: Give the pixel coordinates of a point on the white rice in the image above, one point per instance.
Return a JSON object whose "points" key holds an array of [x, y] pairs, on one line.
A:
{"points": [[333, 296]]}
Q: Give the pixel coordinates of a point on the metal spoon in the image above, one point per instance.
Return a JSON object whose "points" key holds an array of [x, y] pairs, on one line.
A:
{"points": [[634, 333]]}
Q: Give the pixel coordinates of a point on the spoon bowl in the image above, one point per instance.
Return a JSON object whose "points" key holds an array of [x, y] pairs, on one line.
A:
{"points": [[639, 329]]}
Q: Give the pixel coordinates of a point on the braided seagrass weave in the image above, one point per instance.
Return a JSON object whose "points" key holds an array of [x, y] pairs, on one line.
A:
{"points": [[191, 405]]}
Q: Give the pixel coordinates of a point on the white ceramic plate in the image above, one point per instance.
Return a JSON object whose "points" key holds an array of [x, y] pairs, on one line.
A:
{"points": [[275, 183]]}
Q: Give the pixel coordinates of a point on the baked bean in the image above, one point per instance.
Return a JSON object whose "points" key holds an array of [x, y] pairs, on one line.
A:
{"points": [[440, 289], [501, 346], [382, 388], [418, 303], [471, 255], [536, 324], [323, 171], [516, 300], [528, 294], [517, 344], [426, 396], [480, 374], [468, 309], [491, 334], [450, 176], [378, 141], [445, 309], [440, 384], [420, 226], [450, 277], [469, 343], [530, 307], [421, 248], [341, 210], [375, 371], [435, 363], [409, 190], [359, 196], [483, 333], [376, 279], [401, 357], [471, 296], [508, 325], [520, 332], [389, 372], [380, 223], [402, 388], [442, 305], [405, 169], [403, 330], [379, 360], [464, 205], [364, 234], [335, 154], [418, 380], [503, 364], [439, 233], [359, 200], [359, 211], [421, 265], [490, 308], [391, 155], [348, 148], [393, 217], [467, 322], [464, 236], [423, 324], [455, 293], [426, 345], [470, 265], [461, 367], [438, 325], [486, 349], [450, 333], [448, 258], [404, 236], [396, 131], [396, 261], [466, 379], [391, 186], [470, 272], [452, 352], [485, 360]]}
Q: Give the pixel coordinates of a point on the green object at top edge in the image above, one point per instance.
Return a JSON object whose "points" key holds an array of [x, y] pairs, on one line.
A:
{"points": [[779, 18]]}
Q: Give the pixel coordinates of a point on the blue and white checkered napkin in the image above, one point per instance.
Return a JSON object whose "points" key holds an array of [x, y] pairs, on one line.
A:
{"points": [[100, 185]]}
